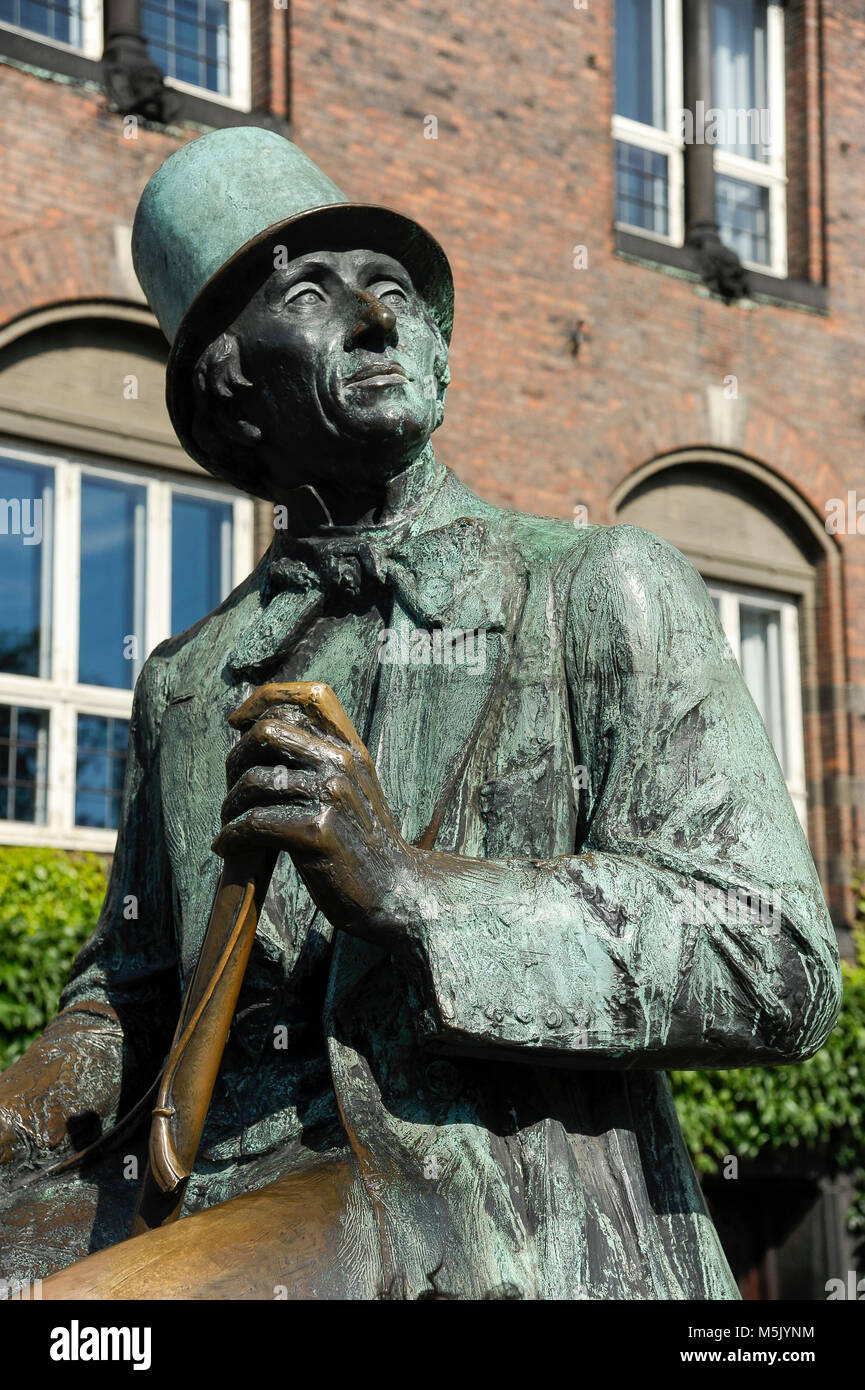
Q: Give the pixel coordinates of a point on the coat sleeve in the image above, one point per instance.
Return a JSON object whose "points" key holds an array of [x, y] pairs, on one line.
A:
{"points": [[689, 929], [118, 1011]]}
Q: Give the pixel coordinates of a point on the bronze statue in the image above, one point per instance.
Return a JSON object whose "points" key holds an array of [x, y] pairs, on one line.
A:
{"points": [[504, 839]]}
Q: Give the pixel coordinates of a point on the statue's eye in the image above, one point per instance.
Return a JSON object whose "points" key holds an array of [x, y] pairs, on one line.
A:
{"points": [[389, 290], [305, 292]]}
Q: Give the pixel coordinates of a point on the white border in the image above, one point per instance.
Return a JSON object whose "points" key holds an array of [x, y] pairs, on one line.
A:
{"points": [[91, 32]]}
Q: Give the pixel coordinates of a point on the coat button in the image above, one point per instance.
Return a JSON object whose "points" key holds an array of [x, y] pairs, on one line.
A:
{"points": [[443, 1079], [553, 1018]]}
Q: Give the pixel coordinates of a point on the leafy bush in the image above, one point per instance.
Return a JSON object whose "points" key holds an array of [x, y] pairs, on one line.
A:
{"points": [[815, 1105], [49, 903]]}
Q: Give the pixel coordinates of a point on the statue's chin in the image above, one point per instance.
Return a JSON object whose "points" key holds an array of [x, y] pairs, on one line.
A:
{"points": [[388, 439]]}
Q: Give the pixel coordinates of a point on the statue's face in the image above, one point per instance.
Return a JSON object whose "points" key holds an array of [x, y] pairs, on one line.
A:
{"points": [[341, 355]]}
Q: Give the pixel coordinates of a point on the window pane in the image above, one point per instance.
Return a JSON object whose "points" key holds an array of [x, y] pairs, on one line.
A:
{"points": [[641, 188], [740, 77], [26, 498], [760, 637], [190, 40], [216, 46], [100, 766], [60, 21], [743, 218], [111, 614], [640, 93], [200, 558], [23, 763]]}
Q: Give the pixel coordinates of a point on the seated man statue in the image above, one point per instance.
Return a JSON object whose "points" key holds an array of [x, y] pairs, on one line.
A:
{"points": [[548, 854]]}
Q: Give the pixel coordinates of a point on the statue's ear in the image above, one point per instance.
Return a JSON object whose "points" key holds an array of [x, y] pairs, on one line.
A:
{"points": [[218, 377], [441, 370]]}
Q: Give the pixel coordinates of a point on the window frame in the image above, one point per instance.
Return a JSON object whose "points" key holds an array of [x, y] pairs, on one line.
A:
{"points": [[770, 173], [93, 42], [61, 693], [91, 32], [669, 141], [239, 97], [730, 596]]}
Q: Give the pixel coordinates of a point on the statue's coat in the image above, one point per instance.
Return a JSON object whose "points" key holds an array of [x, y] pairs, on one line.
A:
{"points": [[501, 1081]]}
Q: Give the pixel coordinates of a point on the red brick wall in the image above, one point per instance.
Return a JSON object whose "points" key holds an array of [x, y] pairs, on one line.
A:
{"points": [[520, 173], [68, 174]]}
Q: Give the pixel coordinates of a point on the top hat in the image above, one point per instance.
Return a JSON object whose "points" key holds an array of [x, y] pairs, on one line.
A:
{"points": [[206, 232]]}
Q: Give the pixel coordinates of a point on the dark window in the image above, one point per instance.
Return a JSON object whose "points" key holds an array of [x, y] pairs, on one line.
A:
{"points": [[641, 188], [100, 766], [111, 610], [23, 763], [640, 79], [743, 218]]}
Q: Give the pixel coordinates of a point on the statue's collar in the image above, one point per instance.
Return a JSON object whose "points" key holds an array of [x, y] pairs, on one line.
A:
{"points": [[308, 548], [450, 562], [304, 518]]}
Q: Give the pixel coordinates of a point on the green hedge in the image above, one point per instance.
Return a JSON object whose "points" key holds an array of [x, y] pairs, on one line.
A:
{"points": [[816, 1105], [49, 903]]}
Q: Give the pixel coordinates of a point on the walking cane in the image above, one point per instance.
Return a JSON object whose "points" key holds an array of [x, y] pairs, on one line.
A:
{"points": [[199, 1041]]}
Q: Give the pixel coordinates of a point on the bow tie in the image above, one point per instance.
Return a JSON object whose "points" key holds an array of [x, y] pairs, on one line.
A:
{"points": [[338, 563], [455, 575]]}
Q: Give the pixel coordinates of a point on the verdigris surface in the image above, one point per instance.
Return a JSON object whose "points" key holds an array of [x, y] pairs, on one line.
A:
{"points": [[564, 861]]}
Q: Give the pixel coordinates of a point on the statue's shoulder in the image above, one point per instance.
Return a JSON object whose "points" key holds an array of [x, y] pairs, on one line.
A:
{"points": [[582, 542], [623, 553]]}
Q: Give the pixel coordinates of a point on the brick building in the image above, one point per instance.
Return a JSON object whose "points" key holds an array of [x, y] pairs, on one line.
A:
{"points": [[609, 362]]}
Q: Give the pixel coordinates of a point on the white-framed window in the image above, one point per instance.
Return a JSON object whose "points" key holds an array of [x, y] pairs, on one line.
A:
{"points": [[763, 631], [202, 46], [750, 160], [66, 23], [98, 563], [647, 121], [744, 123]]}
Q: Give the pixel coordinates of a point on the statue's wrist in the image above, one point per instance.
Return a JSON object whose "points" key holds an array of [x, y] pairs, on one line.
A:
{"points": [[404, 909]]}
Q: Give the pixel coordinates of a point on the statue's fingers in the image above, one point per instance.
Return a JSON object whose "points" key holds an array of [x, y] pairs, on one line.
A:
{"points": [[314, 700], [272, 740], [270, 786], [299, 828]]}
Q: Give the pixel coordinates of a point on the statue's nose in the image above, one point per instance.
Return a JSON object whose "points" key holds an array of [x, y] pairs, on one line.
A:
{"points": [[374, 318]]}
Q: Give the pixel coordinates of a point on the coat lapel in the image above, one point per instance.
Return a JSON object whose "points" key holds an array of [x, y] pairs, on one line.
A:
{"points": [[274, 631]]}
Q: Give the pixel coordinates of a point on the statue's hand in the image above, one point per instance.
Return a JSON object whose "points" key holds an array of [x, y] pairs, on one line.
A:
{"points": [[301, 780]]}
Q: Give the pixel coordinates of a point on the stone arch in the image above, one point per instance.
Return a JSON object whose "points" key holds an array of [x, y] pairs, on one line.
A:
{"points": [[89, 375]]}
